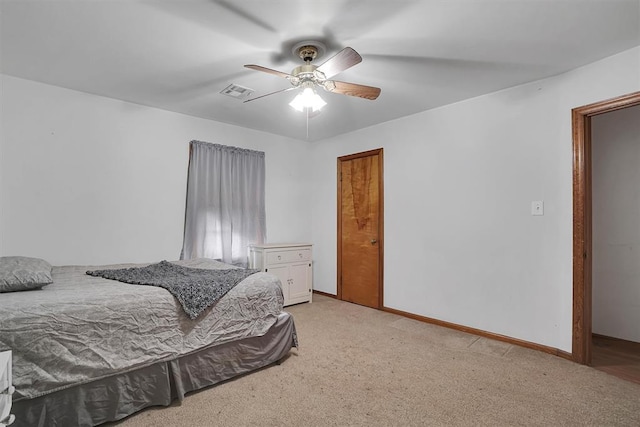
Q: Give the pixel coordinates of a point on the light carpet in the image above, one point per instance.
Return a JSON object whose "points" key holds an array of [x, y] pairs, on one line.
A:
{"points": [[362, 367]]}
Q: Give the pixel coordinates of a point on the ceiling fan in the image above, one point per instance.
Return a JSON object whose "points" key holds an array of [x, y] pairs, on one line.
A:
{"points": [[310, 76]]}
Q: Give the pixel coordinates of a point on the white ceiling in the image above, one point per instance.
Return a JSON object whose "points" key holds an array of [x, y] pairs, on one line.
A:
{"points": [[178, 55]]}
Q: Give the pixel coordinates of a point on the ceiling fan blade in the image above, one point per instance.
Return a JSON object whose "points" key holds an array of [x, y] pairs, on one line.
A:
{"points": [[272, 93], [268, 70], [342, 60], [352, 89]]}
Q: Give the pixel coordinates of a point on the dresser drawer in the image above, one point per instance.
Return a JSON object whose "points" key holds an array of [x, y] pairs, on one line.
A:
{"points": [[279, 257]]}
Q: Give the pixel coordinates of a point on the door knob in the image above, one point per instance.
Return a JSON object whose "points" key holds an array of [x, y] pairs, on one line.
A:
{"points": [[374, 241]]}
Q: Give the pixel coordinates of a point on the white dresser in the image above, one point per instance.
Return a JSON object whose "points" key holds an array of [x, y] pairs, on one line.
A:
{"points": [[6, 389], [291, 263]]}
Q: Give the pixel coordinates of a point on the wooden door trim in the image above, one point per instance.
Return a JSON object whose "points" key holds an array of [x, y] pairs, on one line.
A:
{"points": [[582, 227], [379, 152]]}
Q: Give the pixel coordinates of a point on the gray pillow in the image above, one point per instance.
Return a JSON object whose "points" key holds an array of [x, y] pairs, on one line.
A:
{"points": [[19, 273]]}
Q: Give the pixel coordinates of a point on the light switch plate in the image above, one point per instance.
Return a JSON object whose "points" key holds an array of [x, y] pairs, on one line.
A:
{"points": [[537, 207]]}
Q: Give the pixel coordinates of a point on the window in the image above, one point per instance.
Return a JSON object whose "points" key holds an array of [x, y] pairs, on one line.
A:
{"points": [[225, 208]]}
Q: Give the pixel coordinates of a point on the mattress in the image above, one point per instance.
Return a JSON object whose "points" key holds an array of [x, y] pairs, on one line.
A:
{"points": [[82, 328]]}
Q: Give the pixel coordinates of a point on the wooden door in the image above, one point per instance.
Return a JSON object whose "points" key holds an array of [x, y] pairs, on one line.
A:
{"points": [[360, 226]]}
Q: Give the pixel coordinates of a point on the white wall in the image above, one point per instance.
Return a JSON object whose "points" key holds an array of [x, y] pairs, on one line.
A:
{"points": [[92, 180], [616, 224], [460, 243]]}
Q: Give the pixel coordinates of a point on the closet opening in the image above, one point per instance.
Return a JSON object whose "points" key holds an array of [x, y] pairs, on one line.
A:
{"points": [[583, 237]]}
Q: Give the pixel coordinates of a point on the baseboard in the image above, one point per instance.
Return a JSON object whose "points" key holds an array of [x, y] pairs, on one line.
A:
{"points": [[480, 332], [325, 294], [619, 340], [474, 331]]}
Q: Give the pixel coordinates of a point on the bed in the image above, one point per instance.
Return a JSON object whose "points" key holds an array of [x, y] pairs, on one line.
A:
{"points": [[88, 350]]}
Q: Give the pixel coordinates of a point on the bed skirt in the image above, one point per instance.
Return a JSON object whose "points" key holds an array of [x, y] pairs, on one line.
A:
{"points": [[121, 395]]}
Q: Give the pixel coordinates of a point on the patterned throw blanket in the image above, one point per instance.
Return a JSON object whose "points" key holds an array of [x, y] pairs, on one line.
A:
{"points": [[195, 288]]}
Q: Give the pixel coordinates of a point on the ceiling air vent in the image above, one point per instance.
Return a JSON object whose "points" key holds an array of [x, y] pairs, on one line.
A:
{"points": [[237, 91]]}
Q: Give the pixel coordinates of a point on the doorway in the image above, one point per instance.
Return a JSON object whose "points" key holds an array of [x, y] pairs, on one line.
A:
{"points": [[582, 221], [360, 228]]}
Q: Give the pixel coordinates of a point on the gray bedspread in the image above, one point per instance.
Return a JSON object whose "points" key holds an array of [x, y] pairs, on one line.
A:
{"points": [[82, 328], [195, 288]]}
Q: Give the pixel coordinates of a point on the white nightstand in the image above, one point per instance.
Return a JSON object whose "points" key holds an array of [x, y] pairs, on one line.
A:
{"points": [[291, 263]]}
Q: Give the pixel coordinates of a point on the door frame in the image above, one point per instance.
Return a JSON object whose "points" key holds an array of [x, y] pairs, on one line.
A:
{"points": [[582, 220], [379, 152]]}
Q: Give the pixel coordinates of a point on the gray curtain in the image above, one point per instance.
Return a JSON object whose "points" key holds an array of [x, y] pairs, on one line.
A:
{"points": [[225, 209]]}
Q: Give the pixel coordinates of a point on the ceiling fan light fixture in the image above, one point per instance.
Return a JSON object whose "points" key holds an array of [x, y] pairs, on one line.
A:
{"points": [[309, 76], [308, 99]]}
